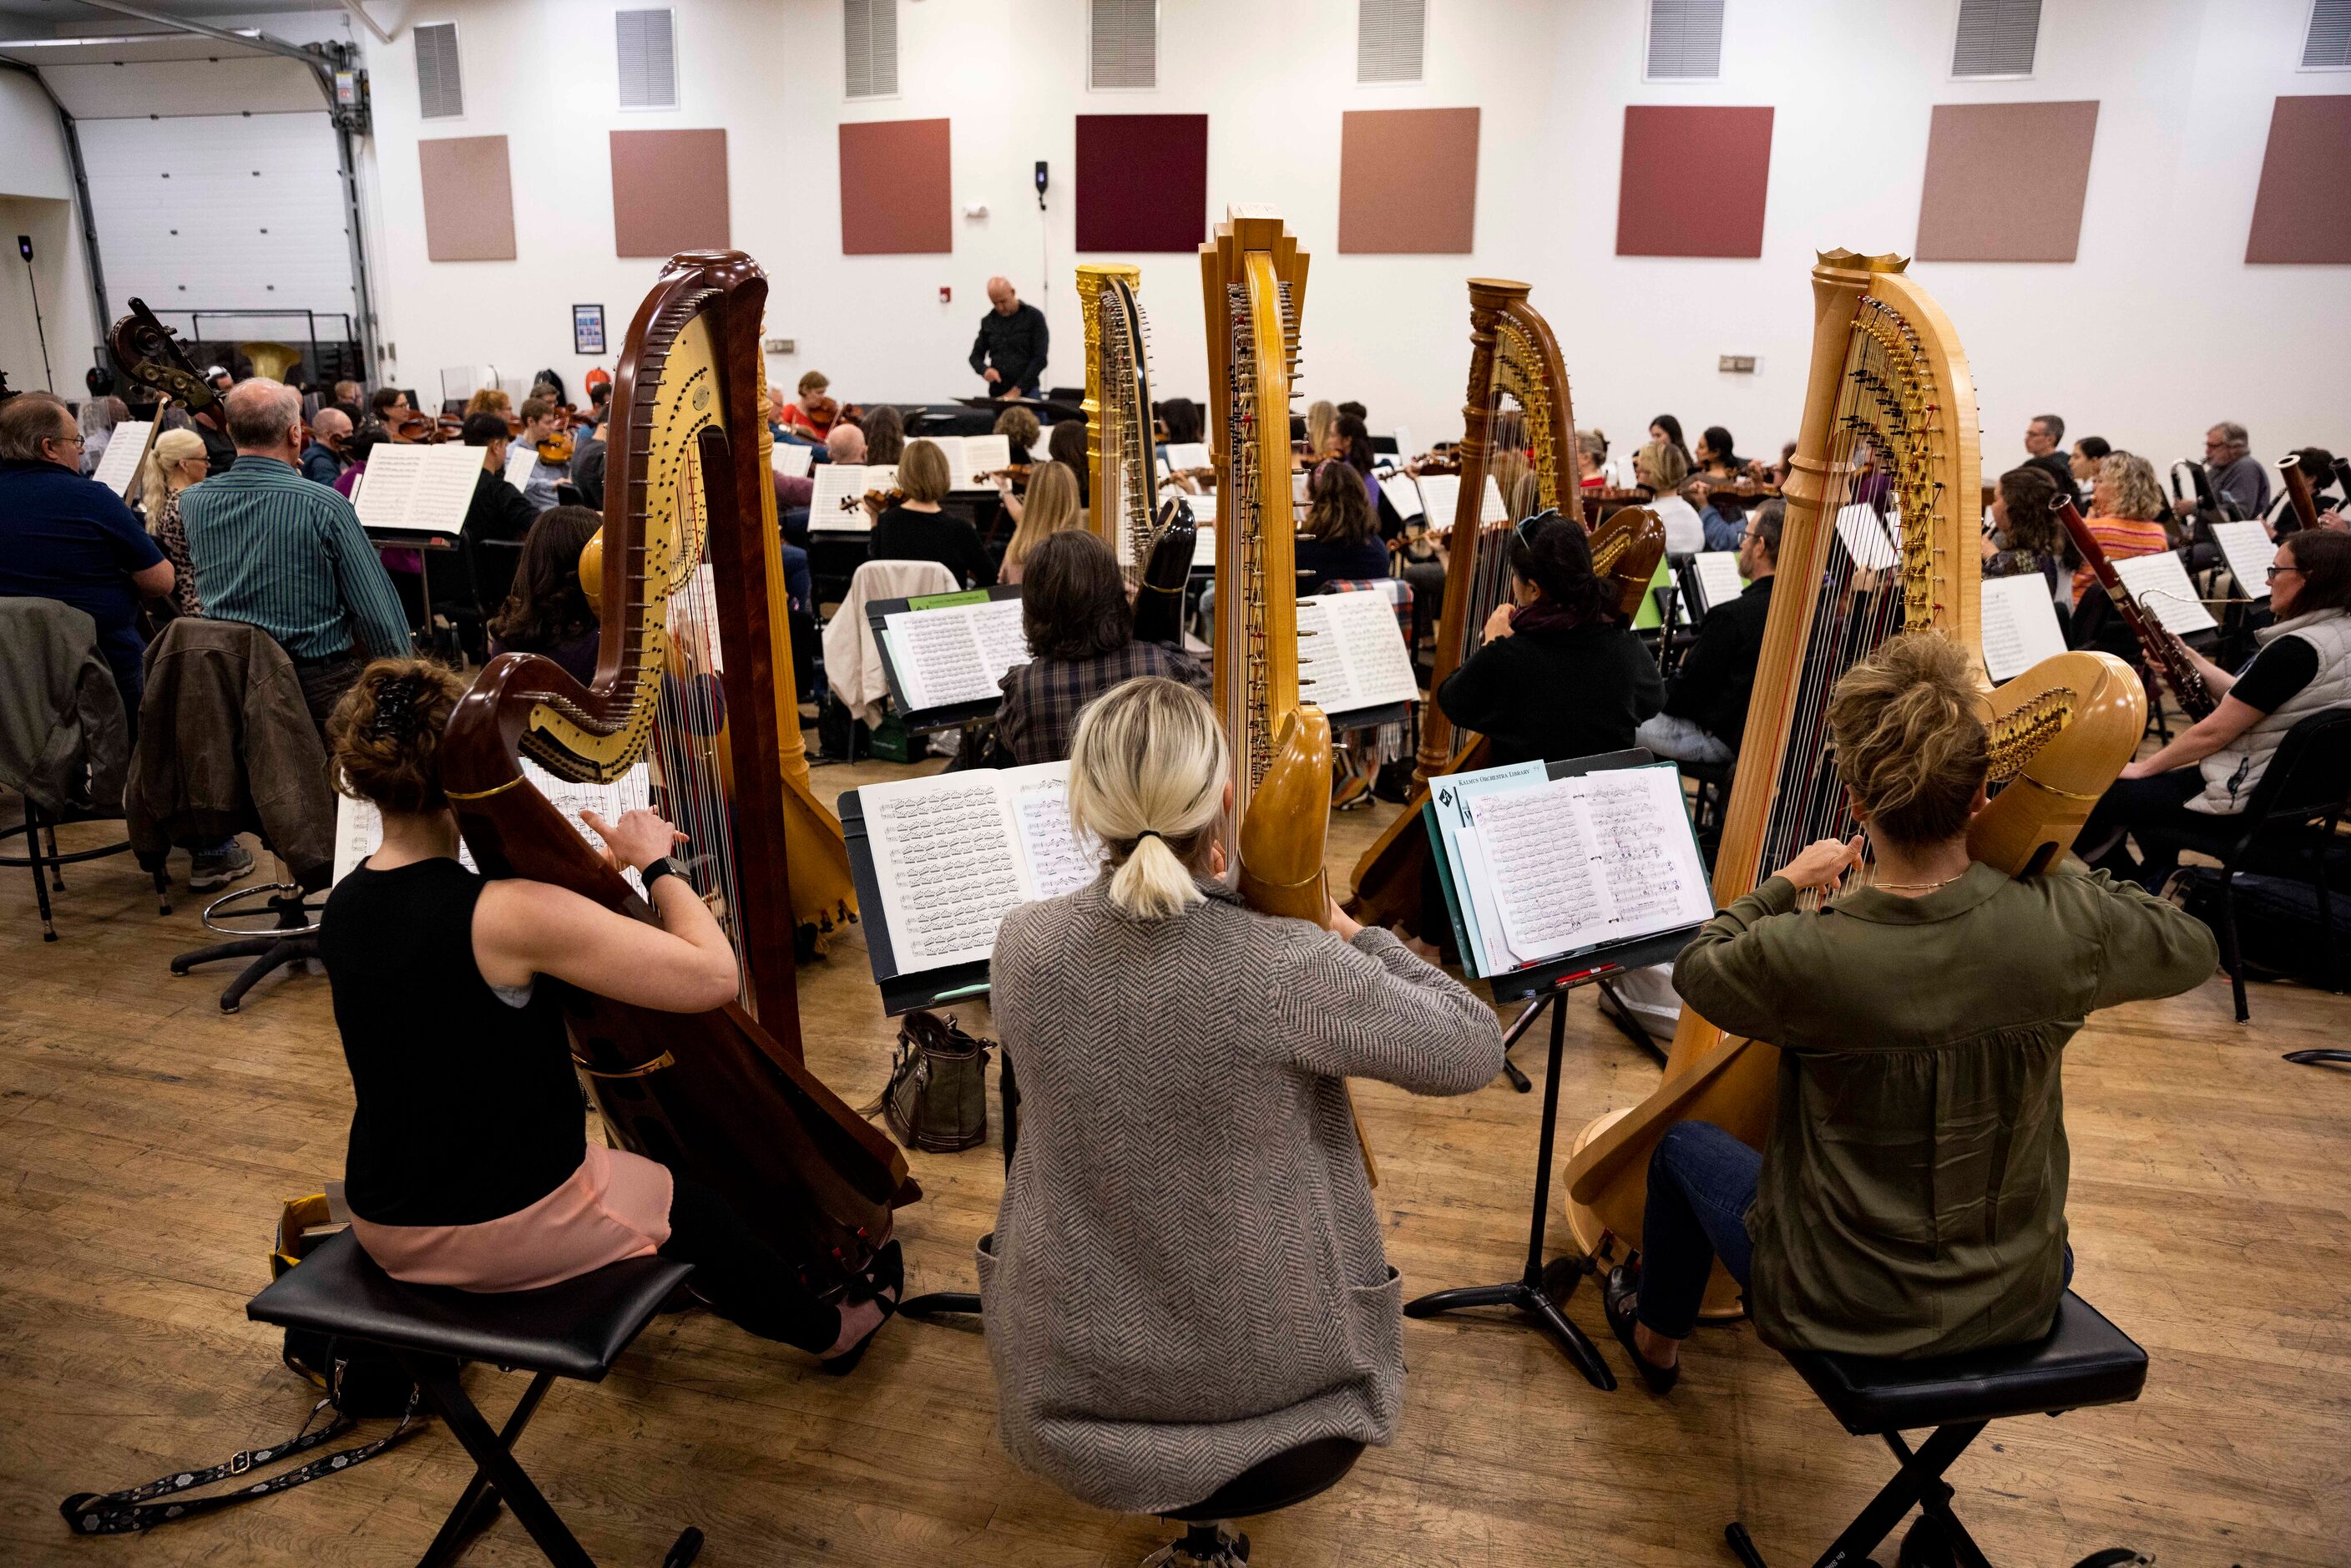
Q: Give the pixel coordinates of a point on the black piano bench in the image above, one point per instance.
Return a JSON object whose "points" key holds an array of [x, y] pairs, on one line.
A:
{"points": [[577, 1329], [2084, 1361], [1285, 1480]]}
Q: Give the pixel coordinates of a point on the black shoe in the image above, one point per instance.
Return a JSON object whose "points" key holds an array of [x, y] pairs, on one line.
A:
{"points": [[1616, 1298], [888, 1274], [211, 871]]}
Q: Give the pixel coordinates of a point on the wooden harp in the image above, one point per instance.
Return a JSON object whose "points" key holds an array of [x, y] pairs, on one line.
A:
{"points": [[1889, 380], [1513, 361], [693, 671], [1153, 542]]}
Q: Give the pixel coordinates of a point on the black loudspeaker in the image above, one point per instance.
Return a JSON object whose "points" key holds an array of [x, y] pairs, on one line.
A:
{"points": [[24, 242], [1040, 202]]}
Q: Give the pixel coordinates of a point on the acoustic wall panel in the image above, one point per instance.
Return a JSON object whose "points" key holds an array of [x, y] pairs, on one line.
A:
{"points": [[468, 199], [1407, 180], [1972, 207], [669, 192], [1143, 182], [1693, 181], [896, 194], [2302, 213]]}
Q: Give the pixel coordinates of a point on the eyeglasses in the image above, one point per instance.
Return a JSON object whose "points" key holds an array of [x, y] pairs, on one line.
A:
{"points": [[2277, 571]]}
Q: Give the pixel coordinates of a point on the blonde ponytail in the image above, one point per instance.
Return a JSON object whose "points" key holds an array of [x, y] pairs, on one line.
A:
{"points": [[171, 448], [1148, 770]]}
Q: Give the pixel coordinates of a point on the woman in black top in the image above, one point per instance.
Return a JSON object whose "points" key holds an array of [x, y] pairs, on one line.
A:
{"points": [[546, 612], [1342, 541], [916, 529], [468, 1165]]}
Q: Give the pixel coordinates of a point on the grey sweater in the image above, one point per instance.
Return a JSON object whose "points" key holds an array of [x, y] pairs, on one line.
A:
{"points": [[1186, 1276]]}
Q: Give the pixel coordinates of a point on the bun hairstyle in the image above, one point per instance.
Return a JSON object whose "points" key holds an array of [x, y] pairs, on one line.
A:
{"points": [[1554, 553], [383, 739], [1908, 726], [1148, 772]]}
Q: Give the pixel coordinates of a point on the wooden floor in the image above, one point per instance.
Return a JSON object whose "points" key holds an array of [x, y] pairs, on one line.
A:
{"points": [[146, 1141]]}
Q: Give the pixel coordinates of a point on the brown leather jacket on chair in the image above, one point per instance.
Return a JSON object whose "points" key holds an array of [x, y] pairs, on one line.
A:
{"points": [[226, 746], [65, 742]]}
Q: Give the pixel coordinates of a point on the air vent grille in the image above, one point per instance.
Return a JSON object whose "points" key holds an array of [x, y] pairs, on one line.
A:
{"points": [[2327, 46], [1126, 52], [1684, 39], [1390, 37], [648, 51], [440, 94], [1996, 38], [870, 40]]}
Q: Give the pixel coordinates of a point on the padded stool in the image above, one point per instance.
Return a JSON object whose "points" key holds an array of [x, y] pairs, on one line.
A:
{"points": [[2084, 1361], [576, 1329], [1282, 1481]]}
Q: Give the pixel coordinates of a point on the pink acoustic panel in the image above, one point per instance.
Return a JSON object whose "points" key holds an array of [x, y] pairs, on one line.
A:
{"points": [[1143, 182], [1973, 207], [895, 196], [669, 192], [468, 199], [2302, 213], [1693, 181], [1409, 181]]}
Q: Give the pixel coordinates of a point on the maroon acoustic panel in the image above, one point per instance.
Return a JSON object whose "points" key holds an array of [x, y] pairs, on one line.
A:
{"points": [[669, 192], [1971, 208], [1407, 180], [896, 193], [1693, 181], [1143, 182], [2302, 213]]}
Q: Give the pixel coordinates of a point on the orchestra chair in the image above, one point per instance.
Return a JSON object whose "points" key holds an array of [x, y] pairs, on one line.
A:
{"points": [[576, 1330], [1285, 1481], [2307, 782], [1710, 799], [2084, 1361]]}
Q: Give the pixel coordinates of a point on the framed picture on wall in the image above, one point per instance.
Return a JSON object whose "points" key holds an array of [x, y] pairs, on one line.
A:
{"points": [[587, 329]]}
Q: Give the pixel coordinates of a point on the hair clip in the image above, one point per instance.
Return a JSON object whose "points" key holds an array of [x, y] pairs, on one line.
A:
{"points": [[395, 715]]}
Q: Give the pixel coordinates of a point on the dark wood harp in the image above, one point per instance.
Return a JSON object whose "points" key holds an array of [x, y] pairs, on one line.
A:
{"points": [[1888, 376], [695, 669], [1513, 357], [1152, 541]]}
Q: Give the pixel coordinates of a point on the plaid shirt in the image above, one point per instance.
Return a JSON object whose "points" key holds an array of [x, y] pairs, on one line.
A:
{"points": [[1042, 700]]}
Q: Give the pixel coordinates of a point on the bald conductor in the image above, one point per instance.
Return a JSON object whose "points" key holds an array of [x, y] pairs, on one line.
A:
{"points": [[1009, 352]]}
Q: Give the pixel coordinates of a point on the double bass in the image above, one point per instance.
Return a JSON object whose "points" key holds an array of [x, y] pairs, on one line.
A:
{"points": [[150, 353], [1513, 356], [1887, 376], [693, 667]]}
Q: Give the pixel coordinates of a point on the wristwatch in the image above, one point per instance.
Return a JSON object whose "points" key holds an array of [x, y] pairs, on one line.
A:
{"points": [[657, 868]]}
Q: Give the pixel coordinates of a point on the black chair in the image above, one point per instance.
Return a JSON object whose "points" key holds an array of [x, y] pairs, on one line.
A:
{"points": [[1713, 798], [45, 861], [2084, 1361], [577, 1330], [1282, 1481], [2308, 780], [292, 938]]}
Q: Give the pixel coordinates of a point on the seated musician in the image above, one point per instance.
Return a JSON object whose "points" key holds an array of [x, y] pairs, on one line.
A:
{"points": [[2209, 769], [1156, 1336], [1020, 432], [2123, 514], [1704, 711], [1067, 446], [1591, 459], [2025, 536], [546, 612], [885, 436], [1051, 505], [1341, 540], [916, 528], [1716, 456], [1081, 630], [1660, 468], [498, 510], [467, 1163], [1721, 514], [1911, 1199], [542, 424], [489, 399], [810, 420]]}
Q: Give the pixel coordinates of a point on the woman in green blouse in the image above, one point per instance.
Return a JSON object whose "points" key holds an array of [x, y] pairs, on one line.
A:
{"points": [[1911, 1201]]}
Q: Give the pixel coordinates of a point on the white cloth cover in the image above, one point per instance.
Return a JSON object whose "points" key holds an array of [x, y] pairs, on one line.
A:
{"points": [[853, 664]]}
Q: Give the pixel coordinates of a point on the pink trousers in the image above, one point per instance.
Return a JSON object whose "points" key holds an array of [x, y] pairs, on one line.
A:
{"points": [[615, 1206]]}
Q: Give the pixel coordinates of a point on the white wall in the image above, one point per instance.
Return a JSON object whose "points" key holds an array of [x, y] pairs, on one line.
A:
{"points": [[36, 191], [2158, 329]]}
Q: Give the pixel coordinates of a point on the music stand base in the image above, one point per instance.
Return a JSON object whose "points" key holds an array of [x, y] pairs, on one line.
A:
{"points": [[1530, 1300]]}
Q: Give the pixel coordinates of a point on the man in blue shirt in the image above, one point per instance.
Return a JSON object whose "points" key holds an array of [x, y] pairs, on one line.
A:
{"points": [[69, 539], [322, 459], [274, 550]]}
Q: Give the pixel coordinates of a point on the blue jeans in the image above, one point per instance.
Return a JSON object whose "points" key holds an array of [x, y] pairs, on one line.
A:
{"points": [[797, 582]]}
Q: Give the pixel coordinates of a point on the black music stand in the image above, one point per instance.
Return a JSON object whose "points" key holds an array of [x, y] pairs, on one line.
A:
{"points": [[951, 715], [901, 993]]}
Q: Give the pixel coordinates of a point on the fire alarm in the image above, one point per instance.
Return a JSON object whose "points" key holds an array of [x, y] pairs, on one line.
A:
{"points": [[947, 294]]}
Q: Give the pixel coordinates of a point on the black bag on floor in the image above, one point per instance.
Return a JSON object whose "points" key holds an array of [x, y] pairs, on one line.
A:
{"points": [[937, 1097], [2278, 927]]}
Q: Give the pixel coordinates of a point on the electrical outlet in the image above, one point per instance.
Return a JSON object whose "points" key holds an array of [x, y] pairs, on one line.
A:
{"points": [[782, 346], [1742, 364]]}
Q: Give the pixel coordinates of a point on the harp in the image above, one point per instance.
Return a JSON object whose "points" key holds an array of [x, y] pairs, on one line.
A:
{"points": [[1514, 361], [1253, 277], [694, 673], [1889, 380], [1153, 543]]}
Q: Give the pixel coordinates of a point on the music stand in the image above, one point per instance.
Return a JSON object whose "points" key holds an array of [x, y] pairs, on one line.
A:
{"points": [[952, 716]]}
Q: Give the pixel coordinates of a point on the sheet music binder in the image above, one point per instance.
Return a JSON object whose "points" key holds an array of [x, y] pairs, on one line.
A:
{"points": [[954, 714], [901, 993]]}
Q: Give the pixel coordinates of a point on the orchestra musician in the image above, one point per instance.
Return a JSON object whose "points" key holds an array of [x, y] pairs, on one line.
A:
{"points": [[1911, 1199], [467, 1165], [1020, 432], [914, 527], [810, 419], [543, 432], [1080, 629], [1704, 711], [387, 406], [1148, 1347], [1050, 506], [1341, 539]]}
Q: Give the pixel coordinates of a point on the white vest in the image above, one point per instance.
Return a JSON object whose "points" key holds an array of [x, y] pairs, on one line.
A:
{"points": [[2230, 773]]}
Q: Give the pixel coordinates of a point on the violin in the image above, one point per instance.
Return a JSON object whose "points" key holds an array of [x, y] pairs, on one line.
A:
{"points": [[1167, 476], [880, 500], [1018, 472], [555, 449]]}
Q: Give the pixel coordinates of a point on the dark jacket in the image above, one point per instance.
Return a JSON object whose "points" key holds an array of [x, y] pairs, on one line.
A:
{"points": [[220, 452], [1554, 695], [64, 740], [1717, 673], [1332, 563], [2060, 472], [226, 746], [1043, 699], [498, 510], [1015, 345], [901, 535], [65, 538], [587, 472], [319, 463]]}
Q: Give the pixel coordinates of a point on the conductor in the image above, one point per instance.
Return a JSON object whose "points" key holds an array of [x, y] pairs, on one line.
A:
{"points": [[1009, 352]]}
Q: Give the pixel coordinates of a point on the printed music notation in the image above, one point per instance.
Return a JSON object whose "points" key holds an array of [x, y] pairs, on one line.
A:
{"points": [[1058, 862], [117, 470], [418, 488], [358, 826], [1718, 581], [2161, 585], [1351, 654], [954, 654], [2019, 625]]}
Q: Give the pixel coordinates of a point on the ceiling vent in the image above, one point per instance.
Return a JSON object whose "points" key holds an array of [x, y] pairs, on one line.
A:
{"points": [[1996, 38], [648, 49], [440, 95], [2327, 46], [1125, 44], [1391, 37], [869, 30], [1685, 40]]}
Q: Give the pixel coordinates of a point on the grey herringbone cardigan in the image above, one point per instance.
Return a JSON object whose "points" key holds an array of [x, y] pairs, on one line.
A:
{"points": [[1186, 1276]]}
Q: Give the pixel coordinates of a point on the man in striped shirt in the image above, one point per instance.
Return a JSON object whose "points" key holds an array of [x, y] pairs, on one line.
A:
{"points": [[277, 551]]}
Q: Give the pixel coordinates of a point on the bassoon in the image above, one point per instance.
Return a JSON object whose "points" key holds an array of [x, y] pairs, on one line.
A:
{"points": [[2164, 651]]}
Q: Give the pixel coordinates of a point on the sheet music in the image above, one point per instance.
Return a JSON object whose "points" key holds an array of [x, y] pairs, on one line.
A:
{"points": [[1542, 868], [943, 855], [985, 454], [117, 470], [834, 483], [1404, 496], [2160, 584], [2020, 624], [521, 463], [1204, 547], [418, 488], [1297, 482], [1871, 542], [951, 448], [958, 655], [1493, 510], [2246, 546], [1452, 799], [1203, 509], [1351, 653], [790, 459], [631, 791], [1718, 577], [1059, 861], [1189, 454], [462, 381], [1441, 496], [1647, 859]]}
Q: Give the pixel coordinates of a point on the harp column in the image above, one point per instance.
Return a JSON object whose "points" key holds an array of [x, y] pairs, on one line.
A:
{"points": [[1101, 517]]}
